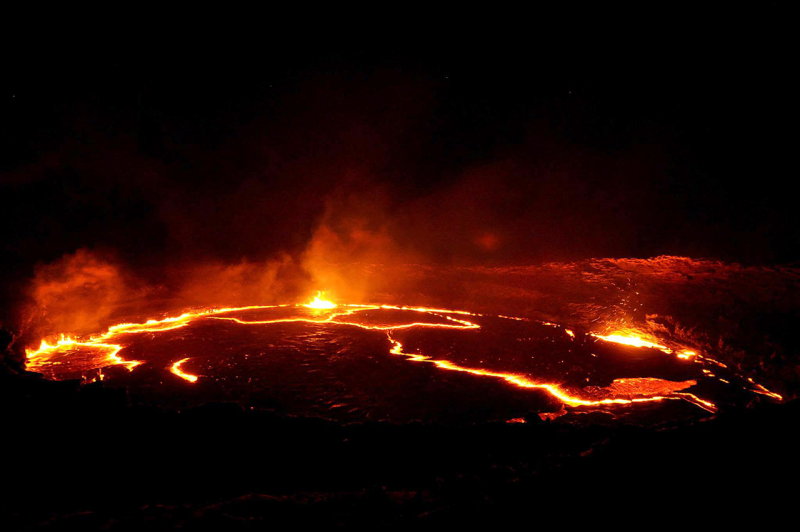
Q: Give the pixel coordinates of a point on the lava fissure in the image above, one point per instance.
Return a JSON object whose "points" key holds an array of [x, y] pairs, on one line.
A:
{"points": [[176, 369]]}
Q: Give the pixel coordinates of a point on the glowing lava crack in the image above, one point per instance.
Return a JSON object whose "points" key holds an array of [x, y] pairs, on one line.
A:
{"points": [[67, 350], [176, 369]]}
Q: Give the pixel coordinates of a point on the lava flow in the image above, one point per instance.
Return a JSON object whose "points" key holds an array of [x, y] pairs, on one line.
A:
{"points": [[525, 370]]}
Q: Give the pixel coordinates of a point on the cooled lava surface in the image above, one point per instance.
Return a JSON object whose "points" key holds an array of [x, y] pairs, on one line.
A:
{"points": [[356, 362]]}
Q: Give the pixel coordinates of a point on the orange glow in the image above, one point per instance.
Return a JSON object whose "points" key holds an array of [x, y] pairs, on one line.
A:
{"points": [[65, 345], [49, 353], [763, 391], [176, 369], [544, 416], [319, 303], [332, 318], [627, 338], [633, 341]]}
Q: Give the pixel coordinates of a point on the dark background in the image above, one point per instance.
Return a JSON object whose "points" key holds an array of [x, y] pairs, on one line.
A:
{"points": [[513, 138], [527, 138]]}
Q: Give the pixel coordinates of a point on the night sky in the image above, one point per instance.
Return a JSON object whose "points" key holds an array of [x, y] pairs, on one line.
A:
{"points": [[502, 147]]}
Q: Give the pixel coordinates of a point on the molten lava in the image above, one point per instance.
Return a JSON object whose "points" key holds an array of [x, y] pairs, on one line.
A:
{"points": [[647, 389], [176, 369], [102, 350], [633, 341]]}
